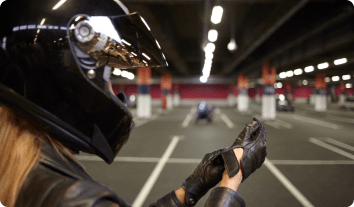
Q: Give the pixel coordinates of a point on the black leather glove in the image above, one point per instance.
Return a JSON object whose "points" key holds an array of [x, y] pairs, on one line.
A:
{"points": [[209, 171], [253, 141], [205, 176]]}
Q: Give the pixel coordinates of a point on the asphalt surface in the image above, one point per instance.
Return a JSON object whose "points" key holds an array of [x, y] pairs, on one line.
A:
{"points": [[310, 156]]}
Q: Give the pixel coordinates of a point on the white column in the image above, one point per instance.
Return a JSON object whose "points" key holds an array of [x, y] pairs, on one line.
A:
{"points": [[242, 100], [169, 102], [176, 99], [231, 100], [268, 103], [321, 100], [143, 108]]}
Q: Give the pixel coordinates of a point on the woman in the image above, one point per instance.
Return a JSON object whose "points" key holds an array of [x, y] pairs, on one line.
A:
{"points": [[56, 101]]}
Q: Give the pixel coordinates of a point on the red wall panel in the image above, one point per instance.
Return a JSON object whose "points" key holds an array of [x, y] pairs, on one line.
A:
{"points": [[204, 91]]}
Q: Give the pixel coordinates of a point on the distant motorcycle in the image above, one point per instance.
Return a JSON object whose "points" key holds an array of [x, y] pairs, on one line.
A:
{"points": [[204, 112]]}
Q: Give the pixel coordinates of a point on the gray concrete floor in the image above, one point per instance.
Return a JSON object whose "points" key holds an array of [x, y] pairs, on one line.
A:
{"points": [[319, 169]]}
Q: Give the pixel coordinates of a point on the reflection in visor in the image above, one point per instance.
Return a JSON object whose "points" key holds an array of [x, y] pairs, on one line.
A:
{"points": [[120, 41]]}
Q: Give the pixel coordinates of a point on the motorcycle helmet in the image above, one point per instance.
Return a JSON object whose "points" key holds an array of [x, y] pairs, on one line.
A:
{"points": [[56, 61]]}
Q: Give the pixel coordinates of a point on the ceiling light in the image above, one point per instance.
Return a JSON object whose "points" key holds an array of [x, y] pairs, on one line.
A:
{"points": [[232, 45], [146, 56], [209, 55], [125, 42], [42, 22], [349, 85], [279, 85], [305, 82], [61, 2], [309, 69], [340, 61], [216, 15], [335, 78], [116, 71], [322, 65], [289, 73], [130, 76], [346, 77], [210, 47], [125, 73], [203, 79], [282, 75], [327, 79], [212, 35], [298, 71]]}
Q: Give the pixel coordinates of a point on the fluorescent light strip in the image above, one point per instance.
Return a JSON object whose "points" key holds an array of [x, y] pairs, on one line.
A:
{"points": [[340, 61], [217, 14], [298, 71], [42, 22], [61, 2], [125, 42], [323, 65], [146, 56], [346, 77], [309, 69]]}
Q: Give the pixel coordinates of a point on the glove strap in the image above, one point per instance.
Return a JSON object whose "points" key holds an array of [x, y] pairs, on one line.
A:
{"points": [[231, 162]]}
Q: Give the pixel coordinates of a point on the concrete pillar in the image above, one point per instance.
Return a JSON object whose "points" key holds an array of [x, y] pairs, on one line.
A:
{"points": [[231, 98], [242, 99], [166, 86], [342, 96], [258, 97], [321, 93], [143, 108], [176, 97], [268, 98]]}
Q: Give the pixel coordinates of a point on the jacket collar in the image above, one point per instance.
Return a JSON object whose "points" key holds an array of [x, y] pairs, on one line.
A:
{"points": [[50, 158]]}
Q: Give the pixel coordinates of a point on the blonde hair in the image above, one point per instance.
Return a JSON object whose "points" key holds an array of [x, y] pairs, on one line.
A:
{"points": [[20, 149]]}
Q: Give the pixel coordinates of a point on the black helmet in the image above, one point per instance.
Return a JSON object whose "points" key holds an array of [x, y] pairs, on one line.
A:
{"points": [[56, 60]]}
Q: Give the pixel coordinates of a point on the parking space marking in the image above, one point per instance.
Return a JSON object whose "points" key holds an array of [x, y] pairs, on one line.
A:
{"points": [[314, 121], [330, 147], [270, 123], [313, 162], [340, 144], [227, 121], [284, 124], [140, 122], [293, 190], [342, 119], [189, 117], [144, 192]]}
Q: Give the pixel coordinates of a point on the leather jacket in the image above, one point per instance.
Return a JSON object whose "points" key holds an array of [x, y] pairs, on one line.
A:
{"points": [[56, 182]]}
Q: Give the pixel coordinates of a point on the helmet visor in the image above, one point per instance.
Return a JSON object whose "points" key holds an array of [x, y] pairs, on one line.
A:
{"points": [[118, 41]]}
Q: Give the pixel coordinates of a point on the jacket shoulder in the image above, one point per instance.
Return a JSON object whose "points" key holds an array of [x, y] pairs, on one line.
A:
{"points": [[45, 186]]}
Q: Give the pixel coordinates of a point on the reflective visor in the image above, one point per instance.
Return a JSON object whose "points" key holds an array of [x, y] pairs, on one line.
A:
{"points": [[120, 41]]}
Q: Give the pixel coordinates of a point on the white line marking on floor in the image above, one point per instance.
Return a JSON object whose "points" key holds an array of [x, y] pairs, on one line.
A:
{"points": [[144, 192], [330, 147], [197, 161], [284, 124], [293, 190], [313, 162], [314, 121], [140, 122], [227, 121], [217, 111], [270, 123], [189, 117], [342, 119], [340, 144]]}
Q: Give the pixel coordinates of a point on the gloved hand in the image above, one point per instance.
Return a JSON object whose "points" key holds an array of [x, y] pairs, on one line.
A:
{"points": [[205, 176], [209, 171], [253, 141]]}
